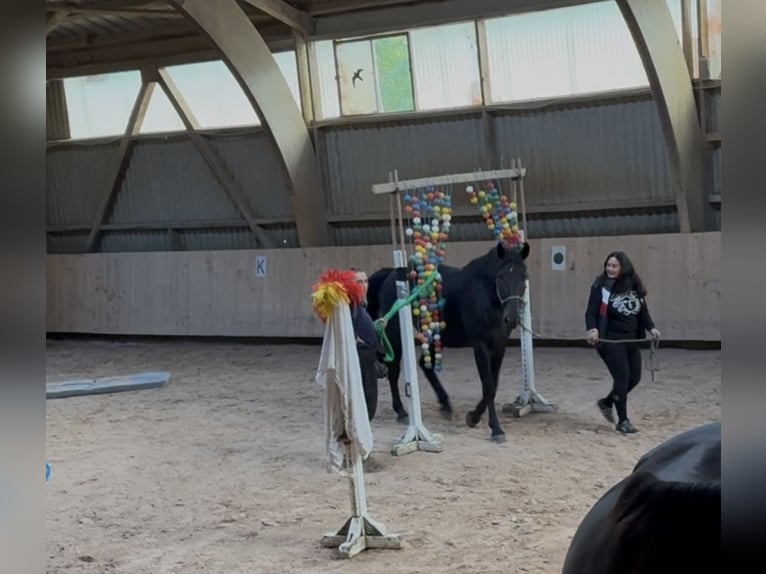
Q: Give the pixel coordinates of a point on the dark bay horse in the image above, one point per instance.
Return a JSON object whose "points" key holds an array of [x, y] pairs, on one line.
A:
{"points": [[482, 302], [663, 518]]}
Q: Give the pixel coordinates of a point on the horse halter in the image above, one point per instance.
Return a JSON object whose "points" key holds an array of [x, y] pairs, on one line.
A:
{"points": [[504, 300]]}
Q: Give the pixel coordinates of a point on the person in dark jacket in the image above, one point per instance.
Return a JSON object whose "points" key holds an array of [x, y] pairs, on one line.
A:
{"points": [[368, 346], [617, 310]]}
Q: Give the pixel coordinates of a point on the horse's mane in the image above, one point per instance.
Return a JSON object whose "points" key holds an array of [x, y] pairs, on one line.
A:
{"points": [[666, 526]]}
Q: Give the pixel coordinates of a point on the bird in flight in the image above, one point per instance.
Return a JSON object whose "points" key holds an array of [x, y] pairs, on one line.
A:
{"points": [[357, 76]]}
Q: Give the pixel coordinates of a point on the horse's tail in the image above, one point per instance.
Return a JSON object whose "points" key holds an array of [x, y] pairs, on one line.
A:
{"points": [[375, 282]]}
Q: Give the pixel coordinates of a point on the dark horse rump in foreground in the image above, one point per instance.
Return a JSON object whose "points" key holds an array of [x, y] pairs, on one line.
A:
{"points": [[663, 518], [482, 302]]}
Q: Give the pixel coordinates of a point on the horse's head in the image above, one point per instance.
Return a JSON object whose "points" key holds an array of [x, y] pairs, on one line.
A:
{"points": [[509, 268]]}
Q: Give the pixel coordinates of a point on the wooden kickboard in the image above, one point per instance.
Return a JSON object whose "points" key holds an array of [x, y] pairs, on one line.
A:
{"points": [[119, 384]]}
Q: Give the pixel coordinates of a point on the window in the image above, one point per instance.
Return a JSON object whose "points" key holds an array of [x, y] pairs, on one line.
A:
{"points": [[160, 116], [374, 75], [562, 52], [214, 96], [445, 65], [99, 106]]}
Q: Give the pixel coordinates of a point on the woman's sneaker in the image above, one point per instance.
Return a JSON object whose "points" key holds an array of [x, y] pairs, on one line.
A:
{"points": [[626, 428], [606, 410]]}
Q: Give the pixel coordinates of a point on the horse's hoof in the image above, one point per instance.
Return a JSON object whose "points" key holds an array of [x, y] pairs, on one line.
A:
{"points": [[403, 419], [446, 412], [470, 420], [498, 438]]}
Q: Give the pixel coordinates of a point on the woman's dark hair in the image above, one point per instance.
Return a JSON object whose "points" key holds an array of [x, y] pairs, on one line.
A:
{"points": [[628, 278]]}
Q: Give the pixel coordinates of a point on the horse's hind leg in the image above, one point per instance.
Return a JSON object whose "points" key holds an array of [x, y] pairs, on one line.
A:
{"points": [[394, 368], [441, 394]]}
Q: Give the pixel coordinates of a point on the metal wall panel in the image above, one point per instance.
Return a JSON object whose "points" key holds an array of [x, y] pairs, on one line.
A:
{"points": [[56, 114], [580, 152], [613, 151], [716, 164], [170, 181], [216, 239], [355, 158], [714, 117], [133, 241], [77, 177], [253, 162], [66, 243], [662, 221]]}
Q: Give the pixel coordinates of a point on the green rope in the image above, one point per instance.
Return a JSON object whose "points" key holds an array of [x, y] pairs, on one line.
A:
{"points": [[395, 308]]}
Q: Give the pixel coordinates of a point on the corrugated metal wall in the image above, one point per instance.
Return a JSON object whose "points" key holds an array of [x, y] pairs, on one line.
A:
{"points": [[56, 116], [589, 153], [575, 153]]}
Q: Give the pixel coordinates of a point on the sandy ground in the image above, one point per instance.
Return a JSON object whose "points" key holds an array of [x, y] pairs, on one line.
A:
{"points": [[222, 471]]}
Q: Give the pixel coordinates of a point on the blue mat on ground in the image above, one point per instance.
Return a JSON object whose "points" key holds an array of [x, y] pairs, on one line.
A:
{"points": [[119, 384]]}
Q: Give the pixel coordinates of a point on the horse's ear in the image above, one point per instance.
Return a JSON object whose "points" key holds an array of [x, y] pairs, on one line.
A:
{"points": [[500, 248], [524, 250]]}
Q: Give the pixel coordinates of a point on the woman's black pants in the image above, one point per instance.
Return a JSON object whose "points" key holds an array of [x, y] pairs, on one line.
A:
{"points": [[624, 363], [368, 357]]}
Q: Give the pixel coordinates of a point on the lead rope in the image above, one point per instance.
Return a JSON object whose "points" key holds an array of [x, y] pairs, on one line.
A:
{"points": [[654, 344]]}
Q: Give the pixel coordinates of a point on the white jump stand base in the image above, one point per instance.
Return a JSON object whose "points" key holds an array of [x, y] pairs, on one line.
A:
{"points": [[360, 532], [529, 402], [418, 437]]}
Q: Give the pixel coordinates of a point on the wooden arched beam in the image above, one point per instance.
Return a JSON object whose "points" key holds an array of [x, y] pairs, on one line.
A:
{"points": [[651, 26], [248, 57]]}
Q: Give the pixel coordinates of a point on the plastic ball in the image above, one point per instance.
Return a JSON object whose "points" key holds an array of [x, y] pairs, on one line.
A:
{"points": [[409, 232], [473, 200], [469, 189]]}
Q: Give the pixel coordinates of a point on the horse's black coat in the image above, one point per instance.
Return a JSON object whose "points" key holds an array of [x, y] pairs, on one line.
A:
{"points": [[665, 517], [482, 302]]}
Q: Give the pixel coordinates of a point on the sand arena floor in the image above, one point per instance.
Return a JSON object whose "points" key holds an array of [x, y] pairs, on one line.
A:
{"points": [[222, 471]]}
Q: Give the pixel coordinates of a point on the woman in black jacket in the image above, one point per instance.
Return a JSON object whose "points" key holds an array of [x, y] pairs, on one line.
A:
{"points": [[617, 310]]}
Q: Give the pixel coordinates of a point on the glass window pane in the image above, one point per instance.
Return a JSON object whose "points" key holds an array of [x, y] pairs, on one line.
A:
{"points": [[288, 64], [445, 62], [213, 95], [604, 54], [100, 105], [329, 99], [393, 74], [356, 78], [529, 56], [161, 116]]}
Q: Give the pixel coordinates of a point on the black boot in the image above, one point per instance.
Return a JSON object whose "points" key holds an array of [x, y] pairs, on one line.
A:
{"points": [[606, 410], [625, 427]]}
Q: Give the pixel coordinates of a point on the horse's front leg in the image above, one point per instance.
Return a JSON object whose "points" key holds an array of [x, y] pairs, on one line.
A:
{"points": [[497, 354], [482, 356]]}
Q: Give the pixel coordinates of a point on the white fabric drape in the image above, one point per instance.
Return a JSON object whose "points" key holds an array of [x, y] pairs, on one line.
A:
{"points": [[340, 375]]}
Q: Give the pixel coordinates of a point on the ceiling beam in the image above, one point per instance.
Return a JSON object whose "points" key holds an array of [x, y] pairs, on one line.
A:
{"points": [[252, 64], [53, 19], [378, 21], [285, 13], [652, 28]]}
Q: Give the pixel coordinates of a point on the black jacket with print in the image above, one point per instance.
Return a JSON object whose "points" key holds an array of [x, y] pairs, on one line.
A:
{"points": [[627, 315]]}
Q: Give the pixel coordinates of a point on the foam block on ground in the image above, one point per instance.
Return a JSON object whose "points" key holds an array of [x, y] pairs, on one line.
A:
{"points": [[101, 385]]}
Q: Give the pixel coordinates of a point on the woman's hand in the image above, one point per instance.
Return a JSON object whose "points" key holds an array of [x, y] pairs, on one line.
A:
{"points": [[655, 333], [592, 336]]}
